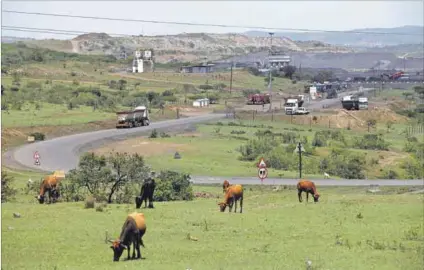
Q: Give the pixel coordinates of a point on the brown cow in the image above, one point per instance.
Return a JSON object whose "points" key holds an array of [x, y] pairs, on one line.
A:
{"points": [[308, 187], [132, 233], [232, 195], [225, 185], [49, 185]]}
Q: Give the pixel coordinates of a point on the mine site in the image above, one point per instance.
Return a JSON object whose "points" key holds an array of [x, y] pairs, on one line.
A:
{"points": [[186, 135]]}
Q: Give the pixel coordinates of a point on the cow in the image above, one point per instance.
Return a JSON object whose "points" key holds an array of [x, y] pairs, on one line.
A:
{"points": [[132, 233], [225, 185], [232, 195], [50, 185], [146, 192], [308, 187]]}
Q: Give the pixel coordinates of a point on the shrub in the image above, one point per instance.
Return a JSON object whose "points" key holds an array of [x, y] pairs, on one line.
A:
{"points": [[173, 186], [69, 191], [256, 147], [371, 142], [7, 191], [89, 202], [164, 135], [38, 136], [153, 134]]}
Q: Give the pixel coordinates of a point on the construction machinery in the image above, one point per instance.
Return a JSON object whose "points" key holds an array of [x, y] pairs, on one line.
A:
{"points": [[135, 118], [350, 103], [258, 99]]}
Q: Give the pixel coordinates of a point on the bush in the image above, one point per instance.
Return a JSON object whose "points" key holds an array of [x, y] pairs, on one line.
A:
{"points": [[89, 202], [7, 191], [256, 147], [371, 142], [69, 191], [153, 134], [38, 136], [173, 186]]}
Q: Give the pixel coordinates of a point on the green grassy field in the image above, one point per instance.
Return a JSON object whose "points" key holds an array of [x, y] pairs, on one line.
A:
{"points": [[347, 229], [52, 114], [213, 151]]}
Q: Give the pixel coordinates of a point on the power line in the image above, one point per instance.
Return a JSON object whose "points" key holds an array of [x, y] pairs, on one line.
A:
{"points": [[46, 30], [205, 24]]}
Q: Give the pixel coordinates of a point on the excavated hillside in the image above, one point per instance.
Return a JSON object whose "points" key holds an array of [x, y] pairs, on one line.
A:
{"points": [[185, 47]]}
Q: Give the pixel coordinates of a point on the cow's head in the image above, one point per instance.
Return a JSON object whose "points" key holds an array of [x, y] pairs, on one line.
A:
{"points": [[138, 202], [222, 206], [316, 197], [117, 248], [40, 198]]}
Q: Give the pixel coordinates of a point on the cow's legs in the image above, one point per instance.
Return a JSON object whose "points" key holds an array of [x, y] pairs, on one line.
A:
{"points": [[241, 205], [151, 200], [307, 196], [128, 250], [299, 194], [134, 246], [235, 206]]}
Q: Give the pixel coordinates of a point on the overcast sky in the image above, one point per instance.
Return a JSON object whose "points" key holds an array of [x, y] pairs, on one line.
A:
{"points": [[331, 15]]}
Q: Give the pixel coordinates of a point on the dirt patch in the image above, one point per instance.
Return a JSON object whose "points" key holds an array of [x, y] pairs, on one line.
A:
{"points": [[191, 111], [340, 118], [205, 195], [143, 146]]}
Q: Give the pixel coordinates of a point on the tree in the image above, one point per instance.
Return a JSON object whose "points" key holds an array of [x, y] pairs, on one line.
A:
{"points": [[323, 76], [122, 84], [105, 176], [152, 96], [371, 123], [289, 71], [7, 192]]}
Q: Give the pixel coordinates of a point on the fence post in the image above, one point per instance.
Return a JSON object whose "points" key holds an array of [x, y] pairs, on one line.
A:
{"points": [[272, 115], [329, 123], [310, 122], [253, 115]]}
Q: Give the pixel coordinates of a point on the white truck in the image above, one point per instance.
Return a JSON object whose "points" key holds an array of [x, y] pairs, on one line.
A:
{"points": [[363, 103], [291, 106]]}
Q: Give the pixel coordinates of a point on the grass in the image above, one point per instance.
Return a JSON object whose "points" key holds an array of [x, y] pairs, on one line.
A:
{"points": [[52, 114], [212, 150], [348, 229]]}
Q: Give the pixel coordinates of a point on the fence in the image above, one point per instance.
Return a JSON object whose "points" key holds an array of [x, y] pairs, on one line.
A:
{"points": [[415, 129]]}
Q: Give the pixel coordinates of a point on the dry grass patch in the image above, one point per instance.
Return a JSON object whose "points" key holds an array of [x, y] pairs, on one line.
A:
{"points": [[143, 146]]}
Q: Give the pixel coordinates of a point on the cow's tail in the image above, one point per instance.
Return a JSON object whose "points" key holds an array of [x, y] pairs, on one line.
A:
{"points": [[141, 242]]}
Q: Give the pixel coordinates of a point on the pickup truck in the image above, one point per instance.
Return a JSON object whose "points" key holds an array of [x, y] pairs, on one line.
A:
{"points": [[302, 110]]}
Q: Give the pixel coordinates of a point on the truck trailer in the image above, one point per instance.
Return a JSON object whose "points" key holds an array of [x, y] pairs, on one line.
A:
{"points": [[135, 118], [258, 99], [350, 103]]}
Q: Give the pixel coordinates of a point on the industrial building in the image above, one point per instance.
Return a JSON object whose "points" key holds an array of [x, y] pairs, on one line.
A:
{"points": [[207, 68]]}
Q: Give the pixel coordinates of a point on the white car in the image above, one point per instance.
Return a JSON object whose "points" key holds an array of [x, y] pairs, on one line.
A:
{"points": [[302, 110]]}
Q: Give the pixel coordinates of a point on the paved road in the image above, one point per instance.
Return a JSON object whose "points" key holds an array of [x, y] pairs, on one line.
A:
{"points": [[63, 152]]}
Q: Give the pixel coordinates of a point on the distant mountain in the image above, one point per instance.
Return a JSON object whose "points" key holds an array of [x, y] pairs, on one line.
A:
{"points": [[356, 40], [7, 39]]}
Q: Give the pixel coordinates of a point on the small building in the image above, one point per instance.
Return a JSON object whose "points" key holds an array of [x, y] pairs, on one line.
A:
{"points": [[278, 60], [201, 102], [138, 66], [208, 68]]}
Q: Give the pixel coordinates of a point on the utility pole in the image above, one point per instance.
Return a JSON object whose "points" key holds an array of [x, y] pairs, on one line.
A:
{"points": [[299, 149], [231, 77], [270, 74]]}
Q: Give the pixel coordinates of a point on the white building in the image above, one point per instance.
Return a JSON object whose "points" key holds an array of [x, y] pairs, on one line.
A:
{"points": [[201, 102], [279, 61]]}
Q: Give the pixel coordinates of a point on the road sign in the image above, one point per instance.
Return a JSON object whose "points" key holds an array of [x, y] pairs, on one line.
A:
{"points": [[296, 150], [262, 163], [262, 173], [36, 155]]}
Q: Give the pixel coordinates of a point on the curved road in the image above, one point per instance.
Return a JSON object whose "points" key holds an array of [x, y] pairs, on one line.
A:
{"points": [[63, 152]]}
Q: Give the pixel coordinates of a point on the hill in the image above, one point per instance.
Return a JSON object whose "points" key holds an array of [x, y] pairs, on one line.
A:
{"points": [[183, 47], [362, 40]]}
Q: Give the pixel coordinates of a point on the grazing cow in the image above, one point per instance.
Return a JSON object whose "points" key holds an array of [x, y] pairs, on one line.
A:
{"points": [[232, 195], [225, 185], [132, 233], [308, 187], [147, 190], [49, 185]]}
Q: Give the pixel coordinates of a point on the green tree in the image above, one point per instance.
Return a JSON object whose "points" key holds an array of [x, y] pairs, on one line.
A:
{"points": [[289, 71]]}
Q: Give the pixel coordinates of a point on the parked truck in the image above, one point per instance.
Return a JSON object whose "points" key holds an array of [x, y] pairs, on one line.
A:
{"points": [[291, 106], [350, 103], [135, 118], [258, 99], [363, 103], [300, 99]]}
